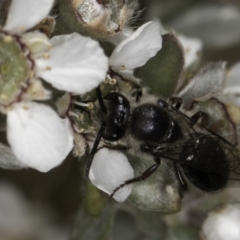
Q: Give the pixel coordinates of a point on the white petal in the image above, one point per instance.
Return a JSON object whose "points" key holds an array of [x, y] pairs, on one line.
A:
{"points": [[69, 138], [118, 38], [109, 170], [38, 137], [205, 84], [136, 50], [76, 64], [233, 80], [192, 49], [223, 224], [37, 42], [25, 14]]}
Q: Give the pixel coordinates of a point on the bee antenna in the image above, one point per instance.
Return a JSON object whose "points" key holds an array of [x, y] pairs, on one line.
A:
{"points": [[100, 100]]}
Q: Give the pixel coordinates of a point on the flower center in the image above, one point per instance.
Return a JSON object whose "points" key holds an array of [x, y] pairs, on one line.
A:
{"points": [[15, 68]]}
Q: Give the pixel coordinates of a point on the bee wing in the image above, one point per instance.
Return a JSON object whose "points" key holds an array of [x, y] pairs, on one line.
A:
{"points": [[192, 132]]}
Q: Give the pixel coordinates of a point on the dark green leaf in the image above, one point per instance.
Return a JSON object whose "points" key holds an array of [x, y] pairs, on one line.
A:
{"points": [[95, 216], [162, 72]]}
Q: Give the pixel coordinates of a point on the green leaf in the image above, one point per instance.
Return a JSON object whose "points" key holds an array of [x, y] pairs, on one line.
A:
{"points": [[89, 227], [162, 72], [159, 192], [151, 224], [95, 216]]}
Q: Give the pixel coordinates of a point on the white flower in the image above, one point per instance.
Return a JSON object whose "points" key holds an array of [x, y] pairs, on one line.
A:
{"points": [[137, 49], [223, 224], [205, 84], [232, 84], [76, 64], [192, 49], [33, 130], [110, 169], [38, 137]]}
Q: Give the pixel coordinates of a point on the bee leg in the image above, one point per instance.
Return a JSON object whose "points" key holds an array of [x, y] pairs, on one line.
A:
{"points": [[180, 178], [100, 132], [94, 149], [100, 100], [133, 84], [144, 176], [136, 86], [139, 94], [175, 102], [200, 117]]}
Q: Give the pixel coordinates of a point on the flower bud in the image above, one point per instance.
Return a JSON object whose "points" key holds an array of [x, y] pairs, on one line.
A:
{"points": [[98, 18]]}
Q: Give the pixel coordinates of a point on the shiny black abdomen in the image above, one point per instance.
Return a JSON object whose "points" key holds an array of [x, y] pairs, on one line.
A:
{"points": [[204, 163]]}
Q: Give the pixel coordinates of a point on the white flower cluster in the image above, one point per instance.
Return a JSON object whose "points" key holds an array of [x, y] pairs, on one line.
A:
{"points": [[110, 168], [131, 53], [37, 135]]}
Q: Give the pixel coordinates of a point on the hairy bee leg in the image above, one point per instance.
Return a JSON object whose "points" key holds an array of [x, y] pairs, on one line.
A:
{"points": [[180, 178], [199, 117], [175, 102], [144, 176], [135, 86]]}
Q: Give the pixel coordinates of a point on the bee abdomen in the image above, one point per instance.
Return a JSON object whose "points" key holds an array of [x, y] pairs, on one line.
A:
{"points": [[204, 163]]}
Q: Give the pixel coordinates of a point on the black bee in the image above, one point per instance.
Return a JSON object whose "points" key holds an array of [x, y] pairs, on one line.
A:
{"points": [[151, 126]]}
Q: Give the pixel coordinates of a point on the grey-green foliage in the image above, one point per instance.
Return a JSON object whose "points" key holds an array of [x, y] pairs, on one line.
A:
{"points": [[159, 192], [88, 227], [162, 72], [95, 216]]}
